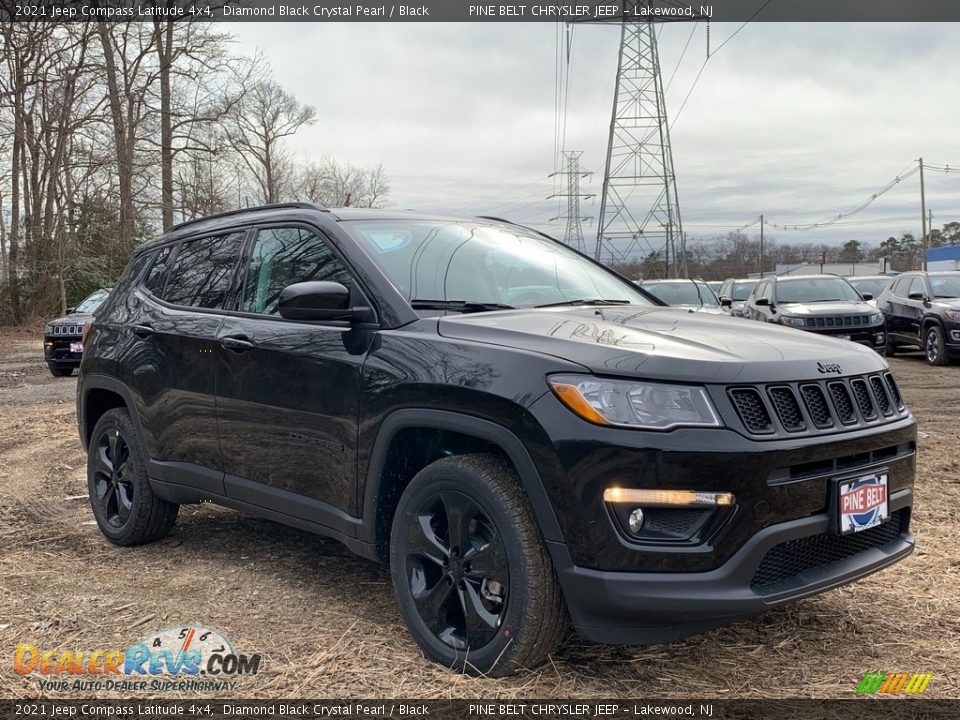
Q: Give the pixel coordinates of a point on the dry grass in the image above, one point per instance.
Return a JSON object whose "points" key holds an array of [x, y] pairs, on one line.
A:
{"points": [[326, 622]]}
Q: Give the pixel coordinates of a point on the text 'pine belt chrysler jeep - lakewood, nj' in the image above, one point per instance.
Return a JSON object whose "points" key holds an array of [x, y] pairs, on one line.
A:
{"points": [[522, 434]]}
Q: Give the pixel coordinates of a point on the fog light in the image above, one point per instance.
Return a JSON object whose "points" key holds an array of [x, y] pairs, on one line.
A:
{"points": [[955, 334], [636, 521], [879, 338]]}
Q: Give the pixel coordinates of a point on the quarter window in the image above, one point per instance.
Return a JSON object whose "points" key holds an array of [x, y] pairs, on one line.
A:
{"points": [[158, 272], [203, 270], [284, 256]]}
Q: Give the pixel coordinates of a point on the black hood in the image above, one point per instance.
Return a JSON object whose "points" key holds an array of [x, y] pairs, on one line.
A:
{"points": [[667, 343]]}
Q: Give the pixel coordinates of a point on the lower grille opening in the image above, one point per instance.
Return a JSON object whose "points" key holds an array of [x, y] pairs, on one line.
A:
{"points": [[787, 560]]}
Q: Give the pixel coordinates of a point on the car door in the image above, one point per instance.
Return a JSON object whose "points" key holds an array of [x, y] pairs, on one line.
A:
{"points": [[914, 307], [167, 357], [759, 312], [288, 392]]}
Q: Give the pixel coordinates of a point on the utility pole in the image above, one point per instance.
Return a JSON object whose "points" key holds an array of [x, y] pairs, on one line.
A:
{"points": [[761, 245], [923, 215], [573, 236]]}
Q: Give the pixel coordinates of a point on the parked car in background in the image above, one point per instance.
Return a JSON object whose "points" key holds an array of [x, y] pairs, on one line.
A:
{"points": [[734, 292], [63, 337], [715, 286], [923, 309], [870, 285], [823, 304], [689, 294]]}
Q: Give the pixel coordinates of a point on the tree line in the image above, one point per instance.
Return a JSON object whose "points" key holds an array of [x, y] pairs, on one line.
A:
{"points": [[737, 254], [112, 132]]}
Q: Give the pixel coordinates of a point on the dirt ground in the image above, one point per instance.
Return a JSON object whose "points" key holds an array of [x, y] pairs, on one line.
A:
{"points": [[326, 623]]}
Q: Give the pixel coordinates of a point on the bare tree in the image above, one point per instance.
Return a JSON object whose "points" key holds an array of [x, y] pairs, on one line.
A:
{"points": [[335, 184], [255, 129]]}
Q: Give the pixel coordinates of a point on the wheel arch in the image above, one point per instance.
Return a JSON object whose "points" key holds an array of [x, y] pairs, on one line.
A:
{"points": [[98, 394], [929, 320], [392, 466]]}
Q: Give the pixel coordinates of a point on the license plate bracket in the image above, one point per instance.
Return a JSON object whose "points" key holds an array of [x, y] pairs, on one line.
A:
{"points": [[860, 502]]}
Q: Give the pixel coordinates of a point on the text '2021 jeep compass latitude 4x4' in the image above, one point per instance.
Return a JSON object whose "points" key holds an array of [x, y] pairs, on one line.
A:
{"points": [[522, 434]]}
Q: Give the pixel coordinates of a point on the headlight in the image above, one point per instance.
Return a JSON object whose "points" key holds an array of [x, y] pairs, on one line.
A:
{"points": [[952, 314], [875, 319], [792, 321], [647, 405]]}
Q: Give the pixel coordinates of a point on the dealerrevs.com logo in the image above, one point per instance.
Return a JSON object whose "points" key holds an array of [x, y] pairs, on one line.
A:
{"points": [[184, 658]]}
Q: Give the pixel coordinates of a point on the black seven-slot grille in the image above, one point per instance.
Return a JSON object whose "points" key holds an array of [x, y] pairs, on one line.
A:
{"points": [[818, 406], [838, 321], [785, 561]]}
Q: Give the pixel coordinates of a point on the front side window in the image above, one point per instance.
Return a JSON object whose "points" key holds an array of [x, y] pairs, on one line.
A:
{"points": [[814, 290], [284, 256], [471, 262], [203, 271], [916, 286]]}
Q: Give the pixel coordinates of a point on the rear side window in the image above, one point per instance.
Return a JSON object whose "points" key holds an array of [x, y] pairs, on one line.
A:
{"points": [[158, 272], [203, 270], [284, 256]]}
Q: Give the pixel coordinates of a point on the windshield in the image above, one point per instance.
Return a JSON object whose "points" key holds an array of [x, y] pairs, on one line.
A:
{"points": [[874, 286], [92, 301], [742, 290], [682, 293], [477, 263], [945, 286], [813, 290]]}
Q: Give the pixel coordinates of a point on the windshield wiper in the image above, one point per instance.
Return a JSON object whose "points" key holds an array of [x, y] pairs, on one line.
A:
{"points": [[458, 305], [585, 301]]}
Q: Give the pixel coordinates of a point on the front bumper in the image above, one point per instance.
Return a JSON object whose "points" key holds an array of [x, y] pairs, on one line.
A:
{"points": [[874, 337], [56, 350], [779, 564]]}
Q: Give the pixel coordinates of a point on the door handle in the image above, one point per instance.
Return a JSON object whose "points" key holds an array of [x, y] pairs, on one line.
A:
{"points": [[142, 330], [236, 343]]}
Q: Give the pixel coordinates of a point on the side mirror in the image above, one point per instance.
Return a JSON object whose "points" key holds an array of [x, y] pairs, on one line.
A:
{"points": [[726, 302], [867, 296], [317, 300], [762, 302], [917, 296]]}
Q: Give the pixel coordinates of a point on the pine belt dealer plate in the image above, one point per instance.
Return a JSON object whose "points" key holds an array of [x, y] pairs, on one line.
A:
{"points": [[76, 347], [862, 503]]}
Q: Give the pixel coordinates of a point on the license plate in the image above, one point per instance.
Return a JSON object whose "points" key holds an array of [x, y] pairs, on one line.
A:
{"points": [[862, 503], [76, 347]]}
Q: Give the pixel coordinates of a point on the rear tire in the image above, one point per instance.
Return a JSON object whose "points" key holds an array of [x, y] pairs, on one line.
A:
{"points": [[935, 347], [126, 510], [61, 370], [484, 599]]}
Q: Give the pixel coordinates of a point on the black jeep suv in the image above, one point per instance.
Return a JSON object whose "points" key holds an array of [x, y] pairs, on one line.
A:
{"points": [[822, 304], [521, 433], [63, 337], [923, 309]]}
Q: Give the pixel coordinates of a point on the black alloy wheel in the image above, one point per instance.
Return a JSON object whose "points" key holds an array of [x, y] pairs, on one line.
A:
{"points": [[112, 481], [125, 507], [457, 570]]}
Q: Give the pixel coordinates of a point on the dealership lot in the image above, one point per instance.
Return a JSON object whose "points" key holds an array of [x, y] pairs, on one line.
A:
{"points": [[326, 624]]}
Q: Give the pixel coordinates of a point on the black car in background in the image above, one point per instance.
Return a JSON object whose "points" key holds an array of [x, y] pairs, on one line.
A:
{"points": [[693, 295], [870, 285], [823, 304], [63, 337], [923, 309], [734, 292], [523, 435]]}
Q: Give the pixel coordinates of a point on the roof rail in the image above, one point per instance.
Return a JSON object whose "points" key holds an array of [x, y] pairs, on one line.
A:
{"points": [[496, 219], [238, 211]]}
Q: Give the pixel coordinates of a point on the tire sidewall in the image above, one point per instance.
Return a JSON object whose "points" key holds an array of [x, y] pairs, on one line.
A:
{"points": [[425, 485], [119, 419]]}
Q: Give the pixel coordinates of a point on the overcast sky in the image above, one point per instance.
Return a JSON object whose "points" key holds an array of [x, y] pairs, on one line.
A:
{"points": [[797, 121]]}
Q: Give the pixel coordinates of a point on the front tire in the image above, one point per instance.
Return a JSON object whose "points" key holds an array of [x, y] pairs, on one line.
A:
{"points": [[126, 510], [935, 347], [473, 579]]}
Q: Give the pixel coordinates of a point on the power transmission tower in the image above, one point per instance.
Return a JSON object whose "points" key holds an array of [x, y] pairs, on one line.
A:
{"points": [[573, 236], [639, 208]]}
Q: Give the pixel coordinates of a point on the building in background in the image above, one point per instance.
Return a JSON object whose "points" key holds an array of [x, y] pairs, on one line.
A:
{"points": [[944, 258]]}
